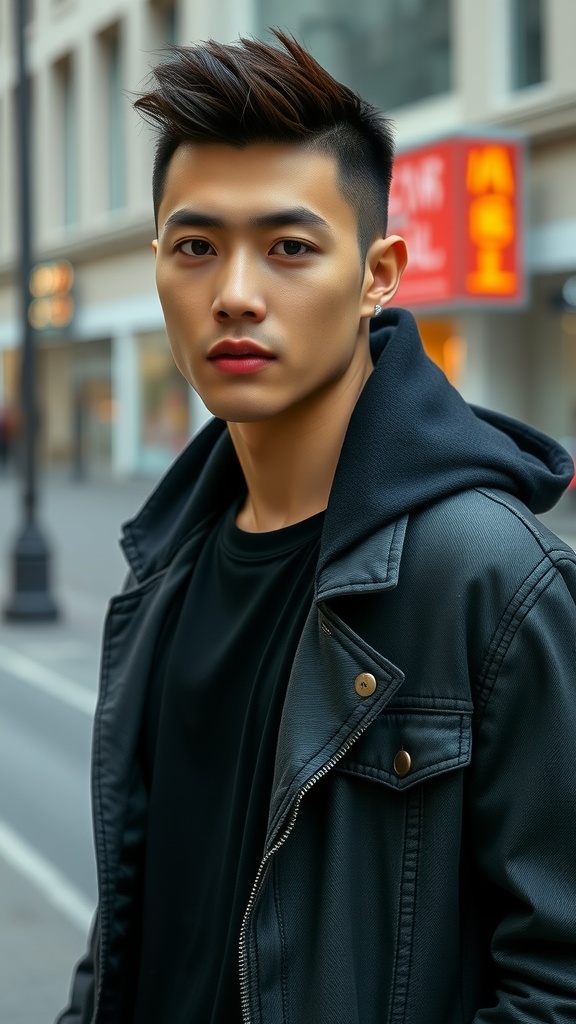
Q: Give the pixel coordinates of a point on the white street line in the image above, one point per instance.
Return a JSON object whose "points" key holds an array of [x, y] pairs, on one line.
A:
{"points": [[29, 863], [45, 679]]}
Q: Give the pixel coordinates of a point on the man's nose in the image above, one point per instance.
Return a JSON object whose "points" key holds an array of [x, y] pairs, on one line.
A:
{"points": [[239, 295]]}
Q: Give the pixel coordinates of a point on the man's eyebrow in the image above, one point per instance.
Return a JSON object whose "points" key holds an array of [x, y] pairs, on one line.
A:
{"points": [[292, 215], [297, 215], [186, 218]]}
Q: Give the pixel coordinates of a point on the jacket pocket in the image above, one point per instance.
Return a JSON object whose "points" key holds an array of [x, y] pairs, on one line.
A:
{"points": [[403, 746]]}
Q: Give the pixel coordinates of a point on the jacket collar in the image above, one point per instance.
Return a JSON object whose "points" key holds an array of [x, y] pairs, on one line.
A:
{"points": [[198, 487], [204, 480]]}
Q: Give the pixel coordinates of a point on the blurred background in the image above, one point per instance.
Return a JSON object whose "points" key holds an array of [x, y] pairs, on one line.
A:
{"points": [[483, 96]]}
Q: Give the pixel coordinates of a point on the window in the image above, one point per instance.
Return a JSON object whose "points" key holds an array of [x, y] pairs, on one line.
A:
{"points": [[69, 140], [527, 42], [116, 134], [3, 174], [165, 22], [171, 24], [393, 52], [164, 420]]}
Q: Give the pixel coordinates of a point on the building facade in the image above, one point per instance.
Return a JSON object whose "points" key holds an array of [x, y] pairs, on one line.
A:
{"points": [[107, 384]]}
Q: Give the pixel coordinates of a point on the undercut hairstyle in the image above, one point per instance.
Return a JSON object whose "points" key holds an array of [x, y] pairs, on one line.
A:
{"points": [[248, 92]]}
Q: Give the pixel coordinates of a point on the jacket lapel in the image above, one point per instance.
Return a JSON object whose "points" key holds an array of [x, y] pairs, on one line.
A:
{"points": [[326, 707]]}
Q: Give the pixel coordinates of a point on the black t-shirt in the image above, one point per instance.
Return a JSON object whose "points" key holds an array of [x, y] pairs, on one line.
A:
{"points": [[209, 746]]}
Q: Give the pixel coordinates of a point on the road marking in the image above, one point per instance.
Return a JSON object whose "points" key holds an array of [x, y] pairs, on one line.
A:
{"points": [[47, 651], [45, 679], [49, 881]]}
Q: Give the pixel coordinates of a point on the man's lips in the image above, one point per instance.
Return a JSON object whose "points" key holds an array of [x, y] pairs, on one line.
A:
{"points": [[239, 357], [238, 349]]}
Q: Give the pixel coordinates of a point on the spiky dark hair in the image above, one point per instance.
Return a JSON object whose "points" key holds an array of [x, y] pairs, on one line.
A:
{"points": [[250, 92]]}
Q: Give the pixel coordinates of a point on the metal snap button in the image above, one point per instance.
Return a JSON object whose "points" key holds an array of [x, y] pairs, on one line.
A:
{"points": [[402, 763], [365, 684]]}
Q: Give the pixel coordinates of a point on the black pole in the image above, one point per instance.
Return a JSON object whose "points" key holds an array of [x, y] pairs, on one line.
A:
{"points": [[31, 598]]}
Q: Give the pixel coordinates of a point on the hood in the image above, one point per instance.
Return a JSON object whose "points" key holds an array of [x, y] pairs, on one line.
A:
{"points": [[411, 440]]}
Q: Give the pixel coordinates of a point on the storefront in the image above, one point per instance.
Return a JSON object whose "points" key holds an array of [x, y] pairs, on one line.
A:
{"points": [[458, 201], [164, 414], [493, 293]]}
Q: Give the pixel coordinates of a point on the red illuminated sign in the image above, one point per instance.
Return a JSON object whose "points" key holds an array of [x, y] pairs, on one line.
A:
{"points": [[458, 204]]}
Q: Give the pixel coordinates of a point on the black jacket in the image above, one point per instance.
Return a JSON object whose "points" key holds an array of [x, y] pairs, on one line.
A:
{"points": [[419, 864]]}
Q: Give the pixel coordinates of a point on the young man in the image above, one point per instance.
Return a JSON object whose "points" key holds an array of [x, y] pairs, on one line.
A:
{"points": [[335, 743]]}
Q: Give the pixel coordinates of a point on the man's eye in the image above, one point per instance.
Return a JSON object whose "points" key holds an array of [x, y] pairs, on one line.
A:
{"points": [[196, 247], [291, 247]]}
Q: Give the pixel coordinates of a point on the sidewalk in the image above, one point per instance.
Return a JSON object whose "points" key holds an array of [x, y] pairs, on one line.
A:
{"points": [[80, 522], [38, 948], [39, 943]]}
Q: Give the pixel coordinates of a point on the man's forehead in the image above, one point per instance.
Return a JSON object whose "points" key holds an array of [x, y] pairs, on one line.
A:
{"points": [[221, 154], [256, 182]]}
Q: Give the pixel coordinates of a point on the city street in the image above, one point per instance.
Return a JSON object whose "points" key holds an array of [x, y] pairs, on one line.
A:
{"points": [[48, 678]]}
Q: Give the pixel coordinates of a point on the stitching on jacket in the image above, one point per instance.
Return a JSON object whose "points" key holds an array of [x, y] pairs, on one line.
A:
{"points": [[393, 556], [406, 916], [253, 940], [127, 598], [520, 605], [100, 842], [121, 605], [380, 774], [129, 542], [538, 537], [392, 563], [257, 973], [132, 554], [397, 543], [507, 629], [283, 953], [439, 705]]}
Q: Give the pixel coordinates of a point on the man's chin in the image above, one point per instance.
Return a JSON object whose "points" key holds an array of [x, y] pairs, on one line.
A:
{"points": [[251, 417], [234, 410]]}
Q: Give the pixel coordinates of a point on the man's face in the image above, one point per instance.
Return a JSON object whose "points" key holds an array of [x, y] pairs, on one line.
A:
{"points": [[259, 276]]}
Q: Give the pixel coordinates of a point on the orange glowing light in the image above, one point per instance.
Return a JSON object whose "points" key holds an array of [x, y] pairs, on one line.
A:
{"points": [[491, 219]]}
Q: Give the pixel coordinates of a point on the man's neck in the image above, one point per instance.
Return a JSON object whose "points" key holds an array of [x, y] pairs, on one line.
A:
{"points": [[289, 462]]}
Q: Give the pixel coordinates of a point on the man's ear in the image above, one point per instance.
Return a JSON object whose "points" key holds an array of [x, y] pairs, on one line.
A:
{"points": [[155, 246], [385, 262]]}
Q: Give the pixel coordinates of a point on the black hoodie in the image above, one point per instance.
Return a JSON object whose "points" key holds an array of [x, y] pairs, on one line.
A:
{"points": [[411, 440]]}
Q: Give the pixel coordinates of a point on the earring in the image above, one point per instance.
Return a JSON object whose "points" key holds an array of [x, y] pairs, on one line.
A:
{"points": [[377, 309]]}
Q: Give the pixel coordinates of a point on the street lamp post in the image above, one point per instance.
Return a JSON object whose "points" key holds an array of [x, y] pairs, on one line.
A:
{"points": [[31, 598]]}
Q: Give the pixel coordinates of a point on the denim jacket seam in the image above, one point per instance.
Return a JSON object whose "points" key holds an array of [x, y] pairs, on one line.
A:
{"points": [[281, 933], [406, 916], [508, 627]]}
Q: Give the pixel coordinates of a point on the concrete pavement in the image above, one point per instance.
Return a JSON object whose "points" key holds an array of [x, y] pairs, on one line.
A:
{"points": [[45, 906], [38, 947], [43, 913]]}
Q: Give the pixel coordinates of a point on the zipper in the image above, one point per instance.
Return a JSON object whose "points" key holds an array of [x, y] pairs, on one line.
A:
{"points": [[243, 954]]}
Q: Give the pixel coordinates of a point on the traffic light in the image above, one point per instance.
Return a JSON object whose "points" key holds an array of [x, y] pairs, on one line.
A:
{"points": [[52, 306]]}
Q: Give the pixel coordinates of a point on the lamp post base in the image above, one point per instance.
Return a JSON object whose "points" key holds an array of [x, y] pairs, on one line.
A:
{"points": [[31, 598]]}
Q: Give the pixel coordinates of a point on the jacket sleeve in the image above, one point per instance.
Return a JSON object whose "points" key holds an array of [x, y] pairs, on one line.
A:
{"points": [[523, 802], [80, 1008]]}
